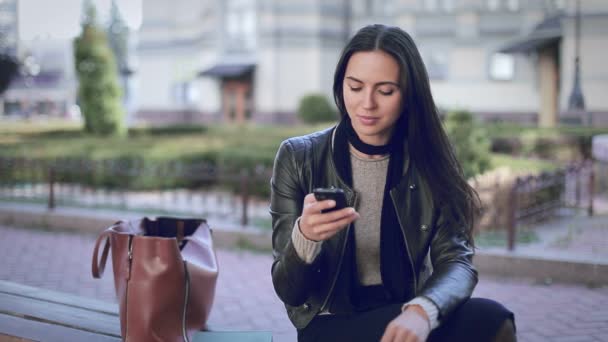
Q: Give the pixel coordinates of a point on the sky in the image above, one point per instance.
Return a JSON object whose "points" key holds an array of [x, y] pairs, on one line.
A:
{"points": [[60, 19]]}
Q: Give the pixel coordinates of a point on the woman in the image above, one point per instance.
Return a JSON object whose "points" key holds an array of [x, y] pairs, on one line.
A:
{"points": [[396, 264]]}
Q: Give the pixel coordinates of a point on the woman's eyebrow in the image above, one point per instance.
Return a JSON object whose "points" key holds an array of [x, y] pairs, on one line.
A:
{"points": [[377, 84]]}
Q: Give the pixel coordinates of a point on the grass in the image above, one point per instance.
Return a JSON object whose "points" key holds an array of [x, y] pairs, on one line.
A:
{"points": [[521, 164], [264, 223], [498, 238]]}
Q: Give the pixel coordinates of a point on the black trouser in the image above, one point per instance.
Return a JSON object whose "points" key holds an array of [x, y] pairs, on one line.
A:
{"points": [[478, 319]]}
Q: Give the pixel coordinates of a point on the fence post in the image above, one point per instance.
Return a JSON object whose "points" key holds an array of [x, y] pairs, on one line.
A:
{"points": [[512, 218], [591, 187], [244, 196], [51, 203], [578, 169]]}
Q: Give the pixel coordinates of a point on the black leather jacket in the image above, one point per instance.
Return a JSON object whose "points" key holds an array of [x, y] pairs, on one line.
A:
{"points": [[303, 163]]}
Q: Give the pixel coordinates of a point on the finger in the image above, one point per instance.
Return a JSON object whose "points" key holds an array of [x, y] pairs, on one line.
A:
{"points": [[389, 334], [411, 337], [317, 207], [404, 336], [321, 228], [310, 198], [319, 218]]}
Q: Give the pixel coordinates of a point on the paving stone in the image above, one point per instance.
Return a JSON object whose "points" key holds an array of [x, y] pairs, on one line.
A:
{"points": [[245, 298]]}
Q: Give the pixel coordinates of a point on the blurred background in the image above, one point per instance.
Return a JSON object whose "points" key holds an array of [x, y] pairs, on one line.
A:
{"points": [[126, 108], [188, 61]]}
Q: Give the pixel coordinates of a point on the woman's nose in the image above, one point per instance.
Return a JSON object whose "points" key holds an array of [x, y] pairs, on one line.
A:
{"points": [[369, 102]]}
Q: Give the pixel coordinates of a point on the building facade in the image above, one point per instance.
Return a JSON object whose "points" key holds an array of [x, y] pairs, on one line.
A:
{"points": [[252, 60], [46, 83]]}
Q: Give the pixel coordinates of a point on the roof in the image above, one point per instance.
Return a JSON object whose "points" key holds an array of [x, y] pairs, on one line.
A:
{"points": [[228, 70], [546, 33]]}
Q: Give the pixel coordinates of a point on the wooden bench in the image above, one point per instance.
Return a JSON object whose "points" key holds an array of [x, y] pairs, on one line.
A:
{"points": [[33, 314]]}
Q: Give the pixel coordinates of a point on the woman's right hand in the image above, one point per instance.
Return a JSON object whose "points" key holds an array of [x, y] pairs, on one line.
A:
{"points": [[318, 226]]}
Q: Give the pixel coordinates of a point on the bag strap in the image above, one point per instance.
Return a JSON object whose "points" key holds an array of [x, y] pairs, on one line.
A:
{"points": [[97, 268]]}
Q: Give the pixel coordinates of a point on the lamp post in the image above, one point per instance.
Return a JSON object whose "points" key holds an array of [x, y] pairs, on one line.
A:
{"points": [[576, 102]]}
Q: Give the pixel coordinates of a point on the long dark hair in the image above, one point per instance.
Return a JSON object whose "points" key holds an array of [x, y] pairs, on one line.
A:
{"points": [[429, 147]]}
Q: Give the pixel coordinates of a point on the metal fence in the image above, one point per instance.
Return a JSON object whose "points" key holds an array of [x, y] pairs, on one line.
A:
{"points": [[232, 194], [537, 197], [510, 200], [240, 195]]}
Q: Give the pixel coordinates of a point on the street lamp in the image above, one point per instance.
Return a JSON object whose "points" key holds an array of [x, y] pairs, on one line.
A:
{"points": [[576, 102]]}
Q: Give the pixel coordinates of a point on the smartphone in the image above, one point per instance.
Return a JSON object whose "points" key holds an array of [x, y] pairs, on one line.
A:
{"points": [[335, 194]]}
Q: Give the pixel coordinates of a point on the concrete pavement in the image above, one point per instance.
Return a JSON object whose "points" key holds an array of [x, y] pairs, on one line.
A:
{"points": [[245, 298]]}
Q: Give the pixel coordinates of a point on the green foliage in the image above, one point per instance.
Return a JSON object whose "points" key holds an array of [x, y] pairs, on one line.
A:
{"points": [[470, 142], [155, 153], [98, 90], [315, 108], [498, 237], [518, 164], [562, 143]]}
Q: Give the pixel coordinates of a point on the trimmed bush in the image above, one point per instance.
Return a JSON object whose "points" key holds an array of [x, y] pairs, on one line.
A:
{"points": [[99, 94], [315, 108], [470, 142]]}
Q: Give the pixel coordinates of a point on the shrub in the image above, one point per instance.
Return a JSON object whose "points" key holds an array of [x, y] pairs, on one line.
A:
{"points": [[99, 94], [470, 142], [508, 145], [315, 108]]}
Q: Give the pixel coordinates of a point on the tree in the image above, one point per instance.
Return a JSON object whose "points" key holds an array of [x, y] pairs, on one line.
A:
{"points": [[98, 91]]}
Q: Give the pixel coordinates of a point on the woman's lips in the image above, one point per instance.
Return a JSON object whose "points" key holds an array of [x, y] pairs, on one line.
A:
{"points": [[368, 120]]}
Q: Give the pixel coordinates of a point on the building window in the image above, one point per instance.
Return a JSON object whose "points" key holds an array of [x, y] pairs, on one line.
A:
{"points": [[502, 67], [559, 4], [241, 24], [493, 5], [513, 5], [430, 5], [436, 62], [184, 93], [447, 5]]}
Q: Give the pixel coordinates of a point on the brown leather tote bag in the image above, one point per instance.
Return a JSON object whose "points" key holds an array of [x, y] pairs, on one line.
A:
{"points": [[165, 271]]}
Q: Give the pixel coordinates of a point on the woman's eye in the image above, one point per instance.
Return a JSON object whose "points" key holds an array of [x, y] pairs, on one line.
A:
{"points": [[386, 92], [355, 88]]}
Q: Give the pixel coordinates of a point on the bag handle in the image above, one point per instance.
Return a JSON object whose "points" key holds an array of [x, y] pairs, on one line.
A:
{"points": [[97, 268]]}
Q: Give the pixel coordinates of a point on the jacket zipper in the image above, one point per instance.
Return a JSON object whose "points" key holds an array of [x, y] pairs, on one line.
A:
{"points": [[331, 289], [186, 296], [128, 276], [407, 248]]}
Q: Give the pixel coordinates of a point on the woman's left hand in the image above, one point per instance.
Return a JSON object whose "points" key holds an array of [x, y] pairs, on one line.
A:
{"points": [[412, 325]]}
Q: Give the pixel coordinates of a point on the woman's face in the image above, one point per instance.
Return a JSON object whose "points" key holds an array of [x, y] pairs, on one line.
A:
{"points": [[372, 95]]}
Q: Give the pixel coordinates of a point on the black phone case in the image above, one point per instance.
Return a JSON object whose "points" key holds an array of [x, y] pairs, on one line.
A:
{"points": [[335, 194]]}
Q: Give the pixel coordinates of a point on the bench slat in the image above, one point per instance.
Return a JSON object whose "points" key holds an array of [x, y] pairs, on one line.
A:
{"points": [[57, 314], [45, 315], [39, 331], [57, 297]]}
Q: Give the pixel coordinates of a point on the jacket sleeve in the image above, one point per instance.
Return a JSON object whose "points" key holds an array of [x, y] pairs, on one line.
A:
{"points": [[291, 276], [454, 276]]}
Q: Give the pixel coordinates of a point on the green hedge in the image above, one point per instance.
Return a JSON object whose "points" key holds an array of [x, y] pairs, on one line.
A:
{"points": [[315, 108], [230, 149], [563, 143], [470, 142]]}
